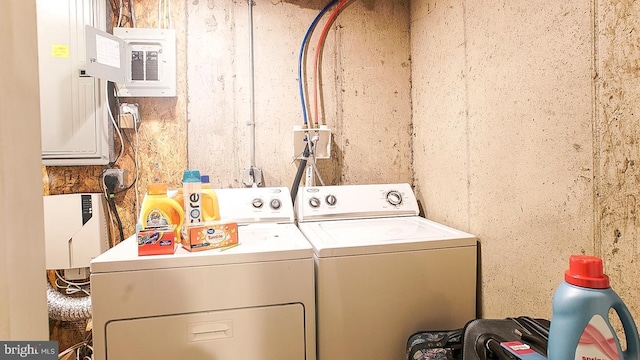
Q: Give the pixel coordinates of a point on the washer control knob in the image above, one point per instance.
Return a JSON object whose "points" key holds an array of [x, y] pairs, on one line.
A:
{"points": [[331, 200], [394, 198], [314, 202], [257, 203], [276, 204]]}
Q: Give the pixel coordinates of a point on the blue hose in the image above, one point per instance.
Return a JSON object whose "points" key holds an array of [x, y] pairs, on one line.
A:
{"points": [[304, 43]]}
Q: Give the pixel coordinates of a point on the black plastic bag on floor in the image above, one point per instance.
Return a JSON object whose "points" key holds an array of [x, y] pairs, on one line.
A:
{"points": [[435, 345]]}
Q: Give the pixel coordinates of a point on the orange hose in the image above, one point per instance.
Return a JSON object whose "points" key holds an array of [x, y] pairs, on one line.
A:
{"points": [[323, 36]]}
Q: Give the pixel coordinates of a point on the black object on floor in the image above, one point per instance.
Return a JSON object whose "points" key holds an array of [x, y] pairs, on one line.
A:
{"points": [[480, 339]]}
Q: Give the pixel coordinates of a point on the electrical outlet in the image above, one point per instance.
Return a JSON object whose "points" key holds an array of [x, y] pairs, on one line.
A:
{"points": [[129, 116], [118, 173]]}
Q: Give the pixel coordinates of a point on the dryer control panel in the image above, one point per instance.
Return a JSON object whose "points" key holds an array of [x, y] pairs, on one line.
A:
{"points": [[355, 202], [255, 205]]}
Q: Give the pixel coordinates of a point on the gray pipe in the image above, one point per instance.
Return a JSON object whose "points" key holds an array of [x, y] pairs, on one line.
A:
{"points": [[252, 96]]}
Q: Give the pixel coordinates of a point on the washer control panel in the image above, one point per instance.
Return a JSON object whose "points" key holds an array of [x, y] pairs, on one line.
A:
{"points": [[394, 197], [355, 201]]}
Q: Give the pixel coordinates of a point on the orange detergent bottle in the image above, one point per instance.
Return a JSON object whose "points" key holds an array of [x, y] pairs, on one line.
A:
{"points": [[160, 210], [209, 200], [210, 210]]}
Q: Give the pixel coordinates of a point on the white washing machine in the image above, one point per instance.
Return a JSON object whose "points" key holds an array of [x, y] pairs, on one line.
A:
{"points": [[252, 301], [382, 271]]}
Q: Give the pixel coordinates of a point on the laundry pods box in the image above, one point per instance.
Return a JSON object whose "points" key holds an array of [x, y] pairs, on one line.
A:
{"points": [[209, 235], [157, 241]]}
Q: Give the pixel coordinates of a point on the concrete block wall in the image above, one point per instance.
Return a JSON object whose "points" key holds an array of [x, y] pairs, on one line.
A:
{"points": [[365, 98], [616, 134], [527, 111]]}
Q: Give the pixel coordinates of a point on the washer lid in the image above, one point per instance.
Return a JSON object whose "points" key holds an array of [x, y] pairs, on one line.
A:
{"points": [[375, 236], [257, 243]]}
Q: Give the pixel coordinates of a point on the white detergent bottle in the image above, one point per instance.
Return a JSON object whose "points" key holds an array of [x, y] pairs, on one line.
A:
{"points": [[192, 193], [580, 327]]}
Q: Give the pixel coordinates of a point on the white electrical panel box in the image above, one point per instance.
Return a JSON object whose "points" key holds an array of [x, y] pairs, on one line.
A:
{"points": [[75, 230], [320, 136], [150, 62], [74, 118]]}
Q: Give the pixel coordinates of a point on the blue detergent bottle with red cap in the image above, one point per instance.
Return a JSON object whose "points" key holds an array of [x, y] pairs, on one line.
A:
{"points": [[580, 326]]}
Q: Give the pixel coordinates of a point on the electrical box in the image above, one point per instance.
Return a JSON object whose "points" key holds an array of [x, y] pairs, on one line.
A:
{"points": [[150, 62], [74, 118], [321, 136]]}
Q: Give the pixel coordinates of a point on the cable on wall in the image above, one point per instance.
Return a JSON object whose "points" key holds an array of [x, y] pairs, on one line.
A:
{"points": [[164, 14], [113, 121], [121, 8], [132, 10], [109, 193], [123, 17], [134, 149]]}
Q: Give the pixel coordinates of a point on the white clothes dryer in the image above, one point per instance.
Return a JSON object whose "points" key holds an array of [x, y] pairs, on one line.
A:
{"points": [[252, 301], [382, 271]]}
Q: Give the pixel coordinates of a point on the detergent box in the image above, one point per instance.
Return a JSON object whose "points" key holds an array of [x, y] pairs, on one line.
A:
{"points": [[209, 235], [157, 241]]}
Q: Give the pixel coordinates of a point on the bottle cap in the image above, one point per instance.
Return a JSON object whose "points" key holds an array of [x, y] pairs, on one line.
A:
{"points": [[586, 271], [157, 189], [204, 179], [191, 176]]}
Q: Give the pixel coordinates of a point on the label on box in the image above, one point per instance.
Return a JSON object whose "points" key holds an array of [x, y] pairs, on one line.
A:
{"points": [[157, 241]]}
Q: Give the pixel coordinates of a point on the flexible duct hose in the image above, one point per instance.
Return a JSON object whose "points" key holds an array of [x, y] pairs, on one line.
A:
{"points": [[67, 308]]}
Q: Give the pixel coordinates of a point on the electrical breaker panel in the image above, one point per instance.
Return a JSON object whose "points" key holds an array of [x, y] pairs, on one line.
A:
{"points": [[74, 119], [150, 57]]}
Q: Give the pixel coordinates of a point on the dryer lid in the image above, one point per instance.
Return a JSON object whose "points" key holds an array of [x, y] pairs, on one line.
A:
{"points": [[385, 235], [257, 243]]}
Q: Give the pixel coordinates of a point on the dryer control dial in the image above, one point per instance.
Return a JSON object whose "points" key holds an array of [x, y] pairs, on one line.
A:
{"points": [[394, 198], [331, 200], [314, 202], [257, 203], [275, 204]]}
